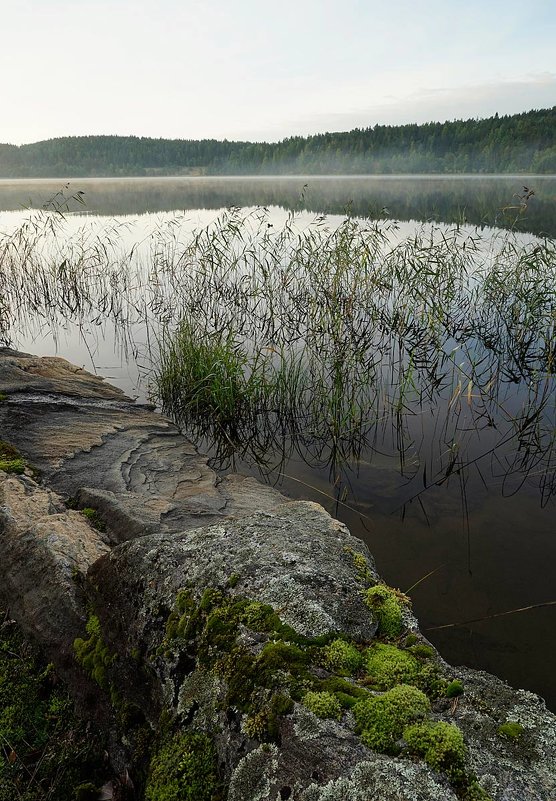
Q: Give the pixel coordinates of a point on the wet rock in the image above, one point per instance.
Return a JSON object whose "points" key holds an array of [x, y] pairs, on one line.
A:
{"points": [[93, 444]]}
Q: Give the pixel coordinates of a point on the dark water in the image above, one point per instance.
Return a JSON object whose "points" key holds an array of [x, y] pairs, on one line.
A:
{"points": [[480, 200], [487, 536]]}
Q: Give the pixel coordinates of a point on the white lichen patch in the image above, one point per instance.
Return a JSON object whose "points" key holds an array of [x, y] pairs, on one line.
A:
{"points": [[254, 774], [200, 691], [307, 726], [530, 712], [304, 615], [384, 779]]}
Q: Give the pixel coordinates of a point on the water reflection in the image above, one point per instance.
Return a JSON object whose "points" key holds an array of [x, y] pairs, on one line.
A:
{"points": [[479, 200]]}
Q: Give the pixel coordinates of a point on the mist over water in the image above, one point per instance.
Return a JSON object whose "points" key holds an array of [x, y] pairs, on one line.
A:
{"points": [[476, 199]]}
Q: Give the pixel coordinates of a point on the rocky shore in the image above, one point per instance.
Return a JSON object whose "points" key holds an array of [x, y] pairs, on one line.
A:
{"points": [[231, 644]]}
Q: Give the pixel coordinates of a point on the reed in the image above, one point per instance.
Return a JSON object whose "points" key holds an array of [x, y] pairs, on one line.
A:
{"points": [[319, 339]]}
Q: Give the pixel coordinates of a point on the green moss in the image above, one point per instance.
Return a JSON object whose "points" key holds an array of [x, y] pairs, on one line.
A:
{"points": [[256, 726], [431, 681], [281, 656], [265, 723], [46, 750], [3, 397], [263, 683], [442, 747], [511, 729], [454, 688], [387, 666], [323, 704], [382, 718], [260, 617], [16, 466], [362, 566], [233, 580], [93, 517], [210, 599], [184, 769], [11, 460], [92, 654], [87, 792], [474, 792], [342, 657], [387, 605], [422, 651]]}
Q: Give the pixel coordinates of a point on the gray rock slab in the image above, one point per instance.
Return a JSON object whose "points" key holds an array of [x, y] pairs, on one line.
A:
{"points": [[90, 442], [301, 561]]}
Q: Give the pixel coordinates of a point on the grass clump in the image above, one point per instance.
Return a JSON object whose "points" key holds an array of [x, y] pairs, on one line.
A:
{"points": [[203, 375], [381, 719], [342, 657], [323, 704], [511, 729], [183, 769], [387, 666], [387, 605]]}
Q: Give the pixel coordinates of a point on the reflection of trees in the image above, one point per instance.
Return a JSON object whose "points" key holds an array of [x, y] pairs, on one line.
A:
{"points": [[479, 201]]}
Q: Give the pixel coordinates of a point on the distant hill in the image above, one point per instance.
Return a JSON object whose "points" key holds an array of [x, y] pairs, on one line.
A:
{"points": [[517, 143]]}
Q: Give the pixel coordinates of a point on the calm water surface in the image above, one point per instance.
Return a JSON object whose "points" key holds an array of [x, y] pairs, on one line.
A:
{"points": [[478, 199], [487, 538]]}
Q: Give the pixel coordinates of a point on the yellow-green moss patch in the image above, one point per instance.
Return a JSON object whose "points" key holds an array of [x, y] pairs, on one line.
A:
{"points": [[93, 654], [387, 666], [323, 704], [387, 606], [342, 657], [381, 718], [11, 460], [442, 747], [183, 769], [511, 729]]}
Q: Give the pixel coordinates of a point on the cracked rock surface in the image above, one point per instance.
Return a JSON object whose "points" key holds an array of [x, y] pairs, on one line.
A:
{"points": [[89, 441]]}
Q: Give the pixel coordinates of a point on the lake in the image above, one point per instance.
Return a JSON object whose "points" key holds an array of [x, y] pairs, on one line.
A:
{"points": [[456, 501]]}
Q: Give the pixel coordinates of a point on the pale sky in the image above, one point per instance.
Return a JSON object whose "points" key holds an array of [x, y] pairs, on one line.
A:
{"points": [[249, 69]]}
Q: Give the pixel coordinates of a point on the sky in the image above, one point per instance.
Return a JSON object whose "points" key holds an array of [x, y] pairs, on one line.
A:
{"points": [[262, 71]]}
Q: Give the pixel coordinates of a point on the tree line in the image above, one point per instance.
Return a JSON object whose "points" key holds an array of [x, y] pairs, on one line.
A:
{"points": [[501, 144]]}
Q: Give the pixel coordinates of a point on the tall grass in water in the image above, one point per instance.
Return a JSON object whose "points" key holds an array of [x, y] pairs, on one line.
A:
{"points": [[322, 340]]}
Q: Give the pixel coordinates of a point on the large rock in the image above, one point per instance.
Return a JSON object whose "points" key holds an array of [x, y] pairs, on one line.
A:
{"points": [[308, 568]]}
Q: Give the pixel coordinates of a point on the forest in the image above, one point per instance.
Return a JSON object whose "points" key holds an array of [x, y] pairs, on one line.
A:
{"points": [[518, 143]]}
